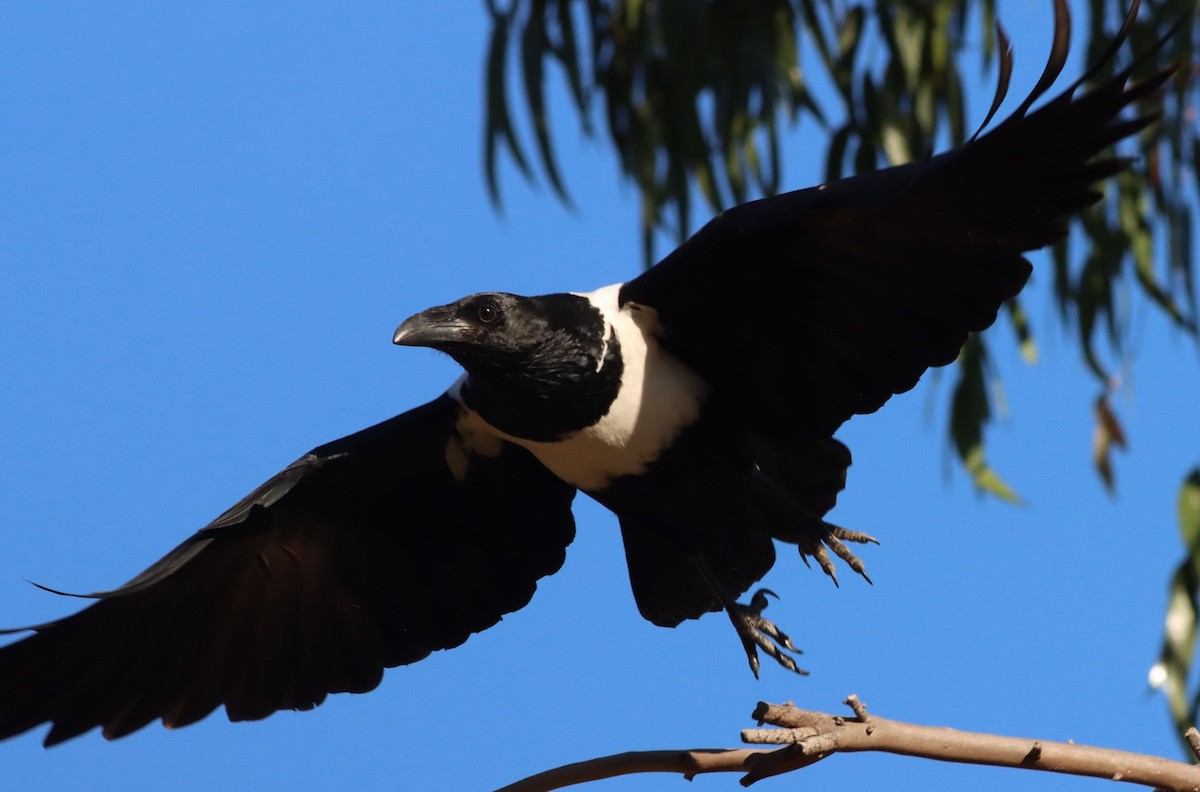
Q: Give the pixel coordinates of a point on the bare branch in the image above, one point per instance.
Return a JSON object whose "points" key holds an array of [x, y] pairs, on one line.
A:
{"points": [[809, 737], [687, 763], [815, 735]]}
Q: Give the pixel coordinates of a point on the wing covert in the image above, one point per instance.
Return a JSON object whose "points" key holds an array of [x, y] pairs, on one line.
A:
{"points": [[366, 553], [812, 306]]}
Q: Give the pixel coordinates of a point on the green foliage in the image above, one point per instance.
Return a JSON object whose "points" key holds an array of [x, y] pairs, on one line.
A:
{"points": [[1171, 672], [970, 411]]}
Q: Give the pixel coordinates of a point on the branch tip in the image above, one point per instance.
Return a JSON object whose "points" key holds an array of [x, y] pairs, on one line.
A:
{"points": [[1192, 735], [860, 710]]}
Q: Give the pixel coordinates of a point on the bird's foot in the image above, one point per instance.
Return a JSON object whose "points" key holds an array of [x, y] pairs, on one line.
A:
{"points": [[833, 537], [758, 632]]}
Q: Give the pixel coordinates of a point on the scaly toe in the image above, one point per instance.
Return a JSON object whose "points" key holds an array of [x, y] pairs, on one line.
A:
{"points": [[757, 632]]}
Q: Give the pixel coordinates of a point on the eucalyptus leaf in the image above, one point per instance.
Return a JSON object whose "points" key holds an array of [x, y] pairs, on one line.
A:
{"points": [[1172, 671]]}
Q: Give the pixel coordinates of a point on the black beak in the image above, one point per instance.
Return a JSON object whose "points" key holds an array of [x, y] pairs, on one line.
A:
{"points": [[437, 327]]}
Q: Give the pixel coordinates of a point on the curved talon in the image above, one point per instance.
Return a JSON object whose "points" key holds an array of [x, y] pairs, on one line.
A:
{"points": [[758, 601], [817, 551], [757, 632], [812, 534], [833, 536], [843, 552]]}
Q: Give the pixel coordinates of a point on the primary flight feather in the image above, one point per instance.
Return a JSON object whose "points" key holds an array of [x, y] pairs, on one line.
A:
{"points": [[697, 402]]}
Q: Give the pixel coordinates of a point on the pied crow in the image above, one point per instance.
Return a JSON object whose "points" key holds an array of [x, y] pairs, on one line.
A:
{"points": [[697, 401]]}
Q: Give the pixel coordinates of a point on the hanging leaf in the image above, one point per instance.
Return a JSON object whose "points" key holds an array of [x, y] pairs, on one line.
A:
{"points": [[1107, 435], [498, 124], [534, 44], [1020, 323], [1171, 671], [970, 412], [567, 54]]}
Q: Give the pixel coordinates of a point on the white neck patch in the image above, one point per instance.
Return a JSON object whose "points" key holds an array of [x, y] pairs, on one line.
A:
{"points": [[659, 396]]}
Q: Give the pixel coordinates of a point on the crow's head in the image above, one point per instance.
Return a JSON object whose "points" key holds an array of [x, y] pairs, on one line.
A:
{"points": [[473, 328], [545, 358], [493, 329]]}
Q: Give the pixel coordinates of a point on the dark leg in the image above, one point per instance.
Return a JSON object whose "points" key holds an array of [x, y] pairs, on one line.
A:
{"points": [[753, 629], [813, 534]]}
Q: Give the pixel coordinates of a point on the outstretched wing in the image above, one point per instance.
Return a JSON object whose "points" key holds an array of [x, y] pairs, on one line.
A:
{"points": [[809, 307], [367, 553]]}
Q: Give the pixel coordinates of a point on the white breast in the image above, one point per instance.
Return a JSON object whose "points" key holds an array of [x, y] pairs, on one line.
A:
{"points": [[659, 396]]}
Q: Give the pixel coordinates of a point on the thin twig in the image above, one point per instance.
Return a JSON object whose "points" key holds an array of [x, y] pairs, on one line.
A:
{"points": [[687, 763], [855, 704], [809, 737], [1193, 740]]}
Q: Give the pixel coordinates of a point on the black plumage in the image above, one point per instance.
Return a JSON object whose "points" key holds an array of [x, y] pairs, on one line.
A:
{"points": [[310, 585], [697, 401]]}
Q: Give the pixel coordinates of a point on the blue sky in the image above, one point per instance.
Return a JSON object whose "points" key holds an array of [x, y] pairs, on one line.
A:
{"points": [[212, 218]]}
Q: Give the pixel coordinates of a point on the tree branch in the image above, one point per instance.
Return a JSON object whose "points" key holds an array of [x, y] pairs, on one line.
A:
{"points": [[688, 763], [810, 736], [814, 734]]}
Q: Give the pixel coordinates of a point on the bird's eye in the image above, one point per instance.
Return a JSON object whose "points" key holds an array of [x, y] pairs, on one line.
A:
{"points": [[488, 313]]}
